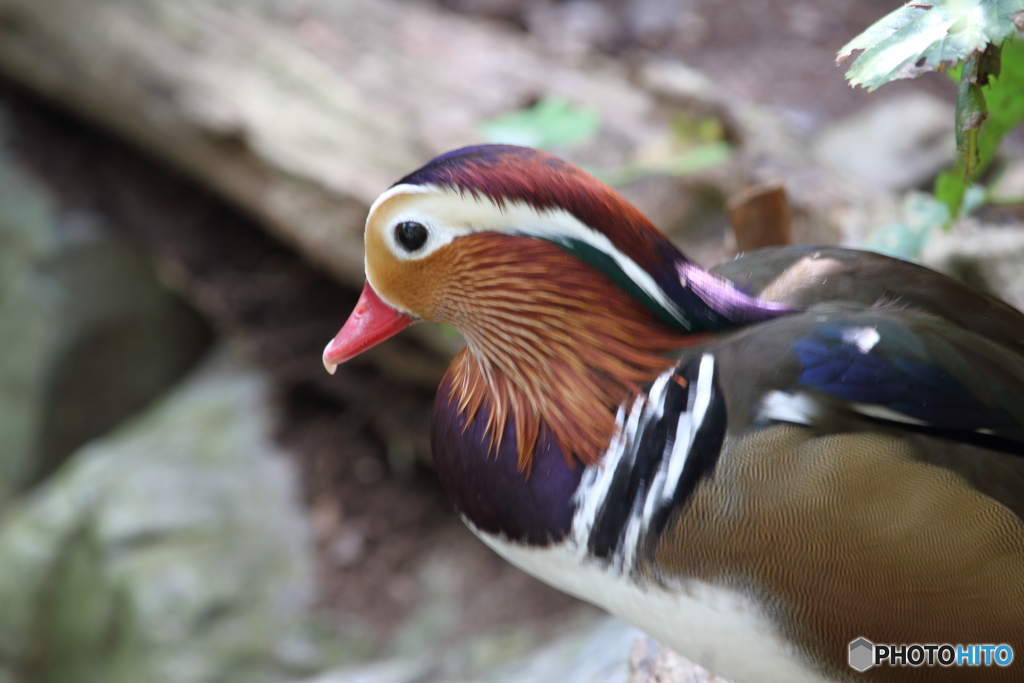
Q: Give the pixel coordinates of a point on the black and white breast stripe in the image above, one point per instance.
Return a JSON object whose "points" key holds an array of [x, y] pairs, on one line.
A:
{"points": [[667, 442]]}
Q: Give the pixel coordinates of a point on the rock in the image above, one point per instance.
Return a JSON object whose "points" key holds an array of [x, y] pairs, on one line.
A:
{"points": [[507, 10], [986, 257], [28, 318], [173, 550], [594, 650], [303, 112], [652, 662], [897, 144], [1008, 188], [88, 332], [921, 216], [572, 29]]}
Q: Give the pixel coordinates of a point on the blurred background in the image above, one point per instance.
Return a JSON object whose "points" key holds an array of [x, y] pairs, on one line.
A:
{"points": [[185, 495]]}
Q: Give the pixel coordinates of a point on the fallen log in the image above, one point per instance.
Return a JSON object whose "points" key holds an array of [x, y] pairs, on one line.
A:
{"points": [[302, 112]]}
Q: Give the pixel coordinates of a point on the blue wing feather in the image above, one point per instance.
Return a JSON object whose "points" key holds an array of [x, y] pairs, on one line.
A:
{"points": [[914, 370]]}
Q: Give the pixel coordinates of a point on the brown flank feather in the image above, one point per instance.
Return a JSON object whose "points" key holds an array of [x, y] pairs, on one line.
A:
{"points": [[550, 340]]}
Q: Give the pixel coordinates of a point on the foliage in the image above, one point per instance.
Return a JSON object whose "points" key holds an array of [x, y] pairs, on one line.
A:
{"points": [[553, 124], [690, 146], [922, 37], [975, 37], [1001, 108]]}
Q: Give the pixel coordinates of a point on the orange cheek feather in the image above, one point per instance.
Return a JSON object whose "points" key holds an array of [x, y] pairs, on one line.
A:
{"points": [[550, 339], [409, 285]]}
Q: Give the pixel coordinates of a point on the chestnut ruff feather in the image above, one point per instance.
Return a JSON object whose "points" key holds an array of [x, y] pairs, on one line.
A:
{"points": [[550, 340]]}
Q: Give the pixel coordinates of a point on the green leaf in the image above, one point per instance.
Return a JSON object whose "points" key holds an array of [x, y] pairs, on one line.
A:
{"points": [[950, 187], [1008, 187], [684, 162], [918, 38], [552, 123], [971, 112], [1003, 100]]}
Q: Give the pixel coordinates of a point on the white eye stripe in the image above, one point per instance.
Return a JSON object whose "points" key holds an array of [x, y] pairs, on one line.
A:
{"points": [[448, 213]]}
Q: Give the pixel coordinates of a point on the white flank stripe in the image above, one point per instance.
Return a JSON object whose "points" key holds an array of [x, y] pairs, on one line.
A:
{"points": [[630, 540], [586, 500], [592, 493], [657, 396], [689, 424], [680, 452], [656, 496], [657, 393], [703, 399], [725, 630], [632, 428], [594, 484]]}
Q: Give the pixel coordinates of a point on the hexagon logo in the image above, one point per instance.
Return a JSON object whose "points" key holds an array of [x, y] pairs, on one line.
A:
{"points": [[862, 654]]}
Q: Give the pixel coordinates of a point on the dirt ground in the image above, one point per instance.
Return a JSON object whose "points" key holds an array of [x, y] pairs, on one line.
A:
{"points": [[360, 437]]}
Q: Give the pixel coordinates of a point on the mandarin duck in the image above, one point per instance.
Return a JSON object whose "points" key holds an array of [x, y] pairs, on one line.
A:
{"points": [[756, 464]]}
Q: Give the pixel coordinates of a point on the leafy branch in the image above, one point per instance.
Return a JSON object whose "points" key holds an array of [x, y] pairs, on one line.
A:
{"points": [[973, 39]]}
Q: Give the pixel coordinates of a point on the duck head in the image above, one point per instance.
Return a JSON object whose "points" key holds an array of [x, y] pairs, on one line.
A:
{"points": [[568, 297]]}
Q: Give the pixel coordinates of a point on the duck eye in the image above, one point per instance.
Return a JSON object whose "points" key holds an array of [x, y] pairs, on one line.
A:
{"points": [[411, 235]]}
